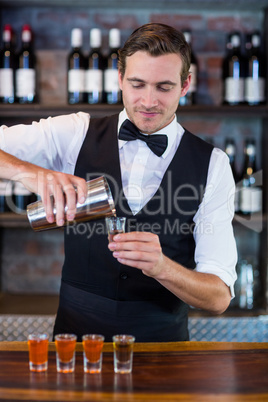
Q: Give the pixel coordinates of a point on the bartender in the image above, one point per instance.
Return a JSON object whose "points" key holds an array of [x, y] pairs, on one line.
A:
{"points": [[175, 190]]}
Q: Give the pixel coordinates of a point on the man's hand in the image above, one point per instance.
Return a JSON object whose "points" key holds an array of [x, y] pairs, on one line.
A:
{"points": [[65, 189], [140, 250]]}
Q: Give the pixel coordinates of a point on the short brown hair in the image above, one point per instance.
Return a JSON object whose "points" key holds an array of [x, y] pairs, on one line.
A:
{"points": [[156, 39]]}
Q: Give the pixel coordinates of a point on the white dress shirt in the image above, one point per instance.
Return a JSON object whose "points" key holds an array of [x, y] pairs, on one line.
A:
{"points": [[54, 143]]}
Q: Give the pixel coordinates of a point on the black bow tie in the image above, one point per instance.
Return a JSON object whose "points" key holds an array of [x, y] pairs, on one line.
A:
{"points": [[156, 142]]}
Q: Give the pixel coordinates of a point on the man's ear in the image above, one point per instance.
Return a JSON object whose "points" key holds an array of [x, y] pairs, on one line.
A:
{"points": [[186, 85], [120, 80]]}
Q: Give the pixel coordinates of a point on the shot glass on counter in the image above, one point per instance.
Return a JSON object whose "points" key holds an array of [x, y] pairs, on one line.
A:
{"points": [[115, 225], [123, 353], [92, 352], [38, 352], [65, 352]]}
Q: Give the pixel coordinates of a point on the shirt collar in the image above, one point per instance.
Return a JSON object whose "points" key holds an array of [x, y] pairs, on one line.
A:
{"points": [[172, 131]]}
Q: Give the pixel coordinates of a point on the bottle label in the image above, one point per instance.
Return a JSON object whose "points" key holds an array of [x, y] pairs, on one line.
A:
{"points": [[255, 90], [6, 82], [250, 199], [111, 83], [234, 90], [93, 81], [193, 85], [76, 80], [25, 82], [19, 189]]}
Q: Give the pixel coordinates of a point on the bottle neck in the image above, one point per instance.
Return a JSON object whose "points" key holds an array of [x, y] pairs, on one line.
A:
{"points": [[7, 39], [250, 160], [114, 50], [76, 39], [95, 39], [230, 151], [235, 44], [76, 48], [26, 39], [114, 39]]}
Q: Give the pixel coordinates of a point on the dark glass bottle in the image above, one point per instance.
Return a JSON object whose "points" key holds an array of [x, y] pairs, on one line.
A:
{"points": [[7, 67], [111, 85], [26, 69], [250, 192], [230, 150], [191, 97], [76, 69], [234, 72], [255, 71], [5, 195], [95, 68], [22, 198]]}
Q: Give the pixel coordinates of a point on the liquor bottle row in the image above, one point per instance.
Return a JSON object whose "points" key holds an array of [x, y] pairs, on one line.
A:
{"points": [[248, 201], [244, 70], [94, 78], [14, 197], [248, 195], [17, 68]]}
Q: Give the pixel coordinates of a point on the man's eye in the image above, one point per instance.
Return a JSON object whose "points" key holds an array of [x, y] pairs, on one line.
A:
{"points": [[137, 86], [164, 89]]}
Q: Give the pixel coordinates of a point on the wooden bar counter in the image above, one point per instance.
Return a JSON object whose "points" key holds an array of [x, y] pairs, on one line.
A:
{"points": [[183, 371]]}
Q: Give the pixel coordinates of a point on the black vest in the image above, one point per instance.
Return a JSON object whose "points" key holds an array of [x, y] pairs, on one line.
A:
{"points": [[89, 264]]}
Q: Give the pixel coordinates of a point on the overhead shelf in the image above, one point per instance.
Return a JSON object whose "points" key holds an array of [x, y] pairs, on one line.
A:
{"points": [[39, 111]]}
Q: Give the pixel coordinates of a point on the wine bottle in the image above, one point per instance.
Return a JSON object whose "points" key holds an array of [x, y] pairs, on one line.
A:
{"points": [[111, 84], [190, 97], [234, 71], [76, 69], [230, 150], [95, 68], [5, 195], [255, 71], [22, 197], [7, 67], [26, 69], [250, 192]]}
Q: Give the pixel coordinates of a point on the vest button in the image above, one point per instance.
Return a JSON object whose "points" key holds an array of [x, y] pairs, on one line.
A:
{"points": [[123, 275]]}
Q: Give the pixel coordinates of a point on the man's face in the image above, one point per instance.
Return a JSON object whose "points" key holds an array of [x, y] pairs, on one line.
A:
{"points": [[151, 89]]}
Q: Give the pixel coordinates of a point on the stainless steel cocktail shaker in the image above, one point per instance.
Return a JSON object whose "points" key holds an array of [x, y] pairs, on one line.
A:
{"points": [[98, 204]]}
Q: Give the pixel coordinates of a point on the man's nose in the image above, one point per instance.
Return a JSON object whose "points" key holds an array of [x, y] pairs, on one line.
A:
{"points": [[149, 98]]}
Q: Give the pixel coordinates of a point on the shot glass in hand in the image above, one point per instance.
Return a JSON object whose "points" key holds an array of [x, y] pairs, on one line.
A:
{"points": [[65, 352], [114, 226], [123, 353], [38, 352], [92, 346]]}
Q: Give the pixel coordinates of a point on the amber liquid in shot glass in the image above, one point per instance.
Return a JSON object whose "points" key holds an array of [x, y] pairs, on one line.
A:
{"points": [[38, 352], [92, 345], [123, 353], [65, 355]]}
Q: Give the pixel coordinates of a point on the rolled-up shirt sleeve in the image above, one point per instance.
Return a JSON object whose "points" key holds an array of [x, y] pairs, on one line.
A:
{"points": [[216, 251], [52, 143]]}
